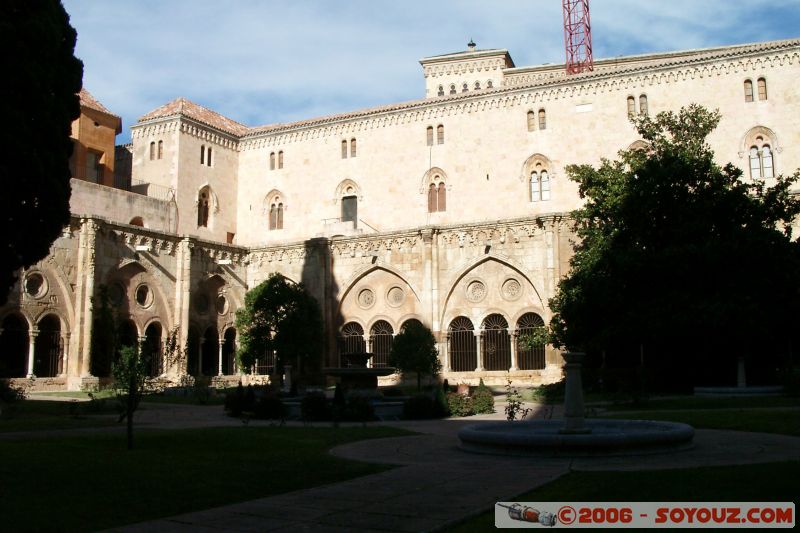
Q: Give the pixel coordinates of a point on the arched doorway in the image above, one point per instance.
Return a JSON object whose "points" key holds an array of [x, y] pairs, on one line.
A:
{"points": [[193, 352], [229, 352], [381, 336], [351, 339], [496, 343], [47, 355], [153, 349], [14, 347], [461, 345], [529, 357], [210, 351]]}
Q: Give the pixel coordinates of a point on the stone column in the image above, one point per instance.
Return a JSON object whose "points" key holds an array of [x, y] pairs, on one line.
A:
{"points": [[512, 334], [183, 259], [479, 338], [368, 344], [221, 345], [448, 367], [65, 354], [31, 350], [573, 395], [86, 280]]}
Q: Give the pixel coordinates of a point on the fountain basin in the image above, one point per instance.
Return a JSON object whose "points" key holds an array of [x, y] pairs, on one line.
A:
{"points": [[607, 437]]}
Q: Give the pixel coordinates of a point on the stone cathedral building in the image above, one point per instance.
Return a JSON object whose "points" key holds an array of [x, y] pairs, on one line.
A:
{"points": [[449, 210]]}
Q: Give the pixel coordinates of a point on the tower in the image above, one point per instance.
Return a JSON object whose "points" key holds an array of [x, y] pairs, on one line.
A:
{"points": [[577, 36]]}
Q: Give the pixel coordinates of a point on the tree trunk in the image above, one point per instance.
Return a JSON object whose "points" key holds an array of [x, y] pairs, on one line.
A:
{"points": [[419, 381]]}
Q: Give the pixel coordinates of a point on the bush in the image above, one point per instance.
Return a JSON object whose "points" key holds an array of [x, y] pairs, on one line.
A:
{"points": [[359, 409], [483, 400], [550, 393], [269, 407], [460, 405], [314, 407], [422, 407], [240, 400], [9, 394]]}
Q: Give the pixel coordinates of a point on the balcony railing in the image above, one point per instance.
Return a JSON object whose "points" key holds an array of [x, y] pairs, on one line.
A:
{"points": [[159, 192]]}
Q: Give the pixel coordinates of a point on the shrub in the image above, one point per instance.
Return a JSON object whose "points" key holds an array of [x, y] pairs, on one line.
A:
{"points": [[483, 400], [314, 407], [9, 394], [550, 393], [460, 405], [422, 407], [269, 407], [359, 409]]}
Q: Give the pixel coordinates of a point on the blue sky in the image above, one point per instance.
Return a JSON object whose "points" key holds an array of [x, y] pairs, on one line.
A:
{"points": [[261, 62]]}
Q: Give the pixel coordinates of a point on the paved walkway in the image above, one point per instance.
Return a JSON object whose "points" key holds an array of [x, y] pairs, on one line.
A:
{"points": [[437, 484]]}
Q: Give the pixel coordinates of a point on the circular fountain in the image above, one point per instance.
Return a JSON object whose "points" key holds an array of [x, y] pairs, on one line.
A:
{"points": [[356, 375], [574, 436]]}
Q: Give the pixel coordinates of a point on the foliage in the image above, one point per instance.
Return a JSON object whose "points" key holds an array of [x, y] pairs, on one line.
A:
{"points": [[414, 350], [314, 407], [359, 409], [514, 405], [130, 377], [549, 393], [482, 399], [39, 96], [237, 402], [269, 407], [9, 393], [423, 407], [669, 243], [281, 316], [460, 404]]}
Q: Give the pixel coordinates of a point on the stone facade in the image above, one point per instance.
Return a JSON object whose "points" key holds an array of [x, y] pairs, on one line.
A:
{"points": [[451, 210]]}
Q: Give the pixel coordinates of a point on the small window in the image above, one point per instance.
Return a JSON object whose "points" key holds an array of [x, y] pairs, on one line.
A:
{"points": [[160, 149], [748, 91], [766, 161], [440, 134], [762, 163], [208, 157], [152, 150], [280, 159], [429, 135], [452, 89], [437, 195], [631, 106], [272, 160], [464, 88], [643, 104], [477, 86], [229, 237], [352, 147], [440, 92], [344, 149], [762, 89], [202, 154], [542, 120], [276, 214], [544, 177], [489, 84], [531, 121], [540, 184]]}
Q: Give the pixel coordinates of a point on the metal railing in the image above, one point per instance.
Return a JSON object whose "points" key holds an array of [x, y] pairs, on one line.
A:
{"points": [[159, 192]]}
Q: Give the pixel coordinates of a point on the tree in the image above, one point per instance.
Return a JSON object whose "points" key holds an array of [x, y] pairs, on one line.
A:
{"points": [[677, 256], [414, 350], [39, 98], [282, 316]]}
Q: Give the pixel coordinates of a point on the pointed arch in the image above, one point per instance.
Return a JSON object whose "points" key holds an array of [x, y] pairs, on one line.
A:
{"points": [[748, 139], [348, 187], [357, 276]]}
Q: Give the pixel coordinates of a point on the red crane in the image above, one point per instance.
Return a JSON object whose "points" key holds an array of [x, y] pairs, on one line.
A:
{"points": [[577, 36]]}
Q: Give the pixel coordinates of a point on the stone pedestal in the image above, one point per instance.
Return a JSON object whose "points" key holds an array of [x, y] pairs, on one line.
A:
{"points": [[573, 396]]}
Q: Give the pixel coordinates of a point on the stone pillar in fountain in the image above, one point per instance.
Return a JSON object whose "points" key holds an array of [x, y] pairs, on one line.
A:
{"points": [[573, 396]]}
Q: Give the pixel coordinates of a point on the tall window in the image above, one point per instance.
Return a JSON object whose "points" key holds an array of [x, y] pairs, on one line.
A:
{"points": [[344, 149], [748, 91], [429, 135], [531, 121], [440, 134], [540, 185], [762, 164], [208, 157], [542, 119], [452, 88], [631, 106], [272, 161], [352, 147], [276, 214], [762, 89], [203, 203], [280, 159], [440, 92], [437, 195], [202, 154], [643, 104], [152, 150], [160, 149], [94, 169], [350, 209]]}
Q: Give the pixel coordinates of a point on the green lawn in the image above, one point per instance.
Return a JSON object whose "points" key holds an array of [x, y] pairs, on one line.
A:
{"points": [[783, 421], [90, 483], [698, 402], [35, 415]]}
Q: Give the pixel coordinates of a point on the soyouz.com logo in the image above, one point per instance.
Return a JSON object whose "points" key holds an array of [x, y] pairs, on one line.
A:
{"points": [[645, 514]]}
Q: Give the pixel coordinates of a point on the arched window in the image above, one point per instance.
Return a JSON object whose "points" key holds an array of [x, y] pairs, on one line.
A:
{"points": [[461, 345], [440, 92], [437, 195], [530, 357], [203, 154], [452, 88], [542, 119], [464, 88], [276, 213], [381, 336], [489, 84], [208, 157], [762, 164], [429, 135], [152, 150], [540, 184], [160, 149], [280, 159], [153, 347], [272, 161], [137, 221], [531, 121], [748, 91], [352, 147], [631, 106], [440, 134], [203, 207], [762, 89], [351, 339], [344, 149], [477, 86], [643, 104], [496, 343]]}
